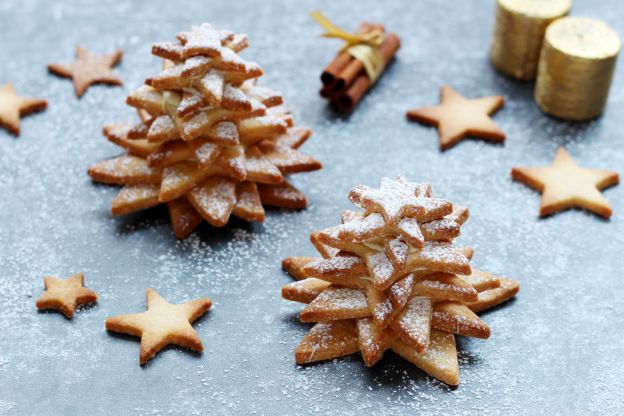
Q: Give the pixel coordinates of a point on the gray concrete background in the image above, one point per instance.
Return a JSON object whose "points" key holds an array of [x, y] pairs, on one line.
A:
{"points": [[556, 349]]}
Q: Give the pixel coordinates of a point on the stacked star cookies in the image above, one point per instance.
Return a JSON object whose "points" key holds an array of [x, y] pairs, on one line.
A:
{"points": [[390, 278], [211, 143]]}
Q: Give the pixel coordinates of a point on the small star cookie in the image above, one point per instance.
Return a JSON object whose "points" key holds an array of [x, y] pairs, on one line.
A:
{"points": [[89, 69], [565, 185], [398, 198], [13, 106], [458, 117], [162, 324], [65, 295]]}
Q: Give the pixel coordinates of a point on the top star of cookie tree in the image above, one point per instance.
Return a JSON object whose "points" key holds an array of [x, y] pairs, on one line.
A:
{"points": [[390, 278], [211, 142]]}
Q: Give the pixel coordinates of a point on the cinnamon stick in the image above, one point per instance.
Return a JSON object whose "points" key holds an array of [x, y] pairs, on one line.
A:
{"points": [[331, 72], [352, 69], [351, 97], [328, 77], [326, 91]]}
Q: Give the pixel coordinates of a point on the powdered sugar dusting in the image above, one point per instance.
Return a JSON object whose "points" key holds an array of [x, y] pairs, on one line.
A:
{"points": [[335, 264], [415, 320], [380, 266], [340, 298], [249, 336]]}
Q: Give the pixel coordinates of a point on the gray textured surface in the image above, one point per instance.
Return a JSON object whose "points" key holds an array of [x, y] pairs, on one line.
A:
{"points": [[556, 349]]}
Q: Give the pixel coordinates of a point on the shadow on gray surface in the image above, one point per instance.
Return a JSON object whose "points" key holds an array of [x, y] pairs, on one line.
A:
{"points": [[79, 310], [391, 372], [137, 341]]}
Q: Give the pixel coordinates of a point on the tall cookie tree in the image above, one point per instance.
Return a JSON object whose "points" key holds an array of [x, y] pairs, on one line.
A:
{"points": [[391, 279], [210, 143]]}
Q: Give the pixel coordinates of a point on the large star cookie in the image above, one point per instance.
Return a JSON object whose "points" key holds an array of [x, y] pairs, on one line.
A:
{"points": [[564, 185], [162, 324], [65, 295], [458, 117], [13, 106], [89, 69]]}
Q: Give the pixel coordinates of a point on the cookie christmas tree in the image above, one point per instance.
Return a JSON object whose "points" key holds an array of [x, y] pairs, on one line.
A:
{"points": [[391, 278], [211, 143]]}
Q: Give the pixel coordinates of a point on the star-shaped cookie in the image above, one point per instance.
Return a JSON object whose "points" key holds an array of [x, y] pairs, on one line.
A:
{"points": [[13, 106], [89, 69], [564, 185], [396, 199], [162, 324], [458, 117], [65, 295]]}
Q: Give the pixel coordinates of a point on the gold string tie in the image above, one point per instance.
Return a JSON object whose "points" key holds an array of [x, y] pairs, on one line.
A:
{"points": [[363, 47]]}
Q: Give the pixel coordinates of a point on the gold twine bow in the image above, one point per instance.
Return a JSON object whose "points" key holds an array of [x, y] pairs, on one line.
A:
{"points": [[363, 47]]}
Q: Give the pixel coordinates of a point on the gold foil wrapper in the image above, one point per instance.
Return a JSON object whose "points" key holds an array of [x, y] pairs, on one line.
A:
{"points": [[519, 31], [576, 66]]}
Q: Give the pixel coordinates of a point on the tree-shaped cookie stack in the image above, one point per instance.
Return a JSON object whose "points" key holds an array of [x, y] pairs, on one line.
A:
{"points": [[211, 142], [390, 278]]}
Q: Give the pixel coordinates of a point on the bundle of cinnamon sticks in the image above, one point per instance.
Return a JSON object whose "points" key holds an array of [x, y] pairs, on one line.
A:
{"points": [[345, 80]]}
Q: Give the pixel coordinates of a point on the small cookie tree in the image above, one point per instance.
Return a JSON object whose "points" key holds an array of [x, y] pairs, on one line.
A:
{"points": [[390, 278]]}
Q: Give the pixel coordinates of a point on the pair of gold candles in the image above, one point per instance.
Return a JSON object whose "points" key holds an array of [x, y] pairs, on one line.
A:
{"points": [[571, 58]]}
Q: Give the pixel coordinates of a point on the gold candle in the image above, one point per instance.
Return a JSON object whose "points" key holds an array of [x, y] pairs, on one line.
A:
{"points": [[518, 34], [576, 67]]}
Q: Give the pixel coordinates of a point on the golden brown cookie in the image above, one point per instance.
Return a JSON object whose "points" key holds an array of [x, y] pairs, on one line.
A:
{"points": [[304, 291], [12, 107], [413, 324], [440, 359], [397, 199], [565, 185], [454, 317], [134, 198], [162, 324], [125, 170], [458, 117], [336, 303], [493, 297], [293, 265], [373, 341], [444, 286], [328, 340], [184, 218], [65, 295], [89, 69], [118, 134], [481, 280]]}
